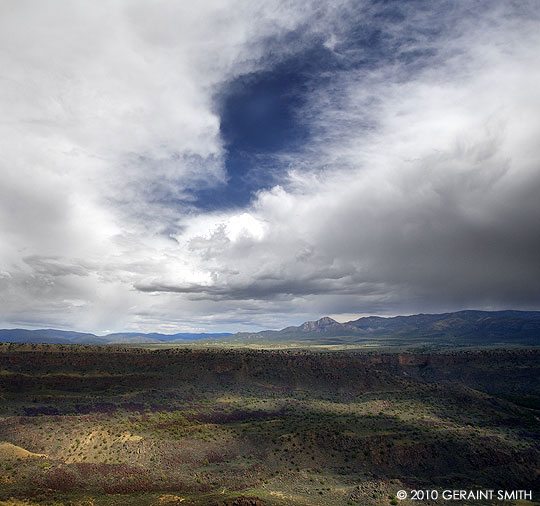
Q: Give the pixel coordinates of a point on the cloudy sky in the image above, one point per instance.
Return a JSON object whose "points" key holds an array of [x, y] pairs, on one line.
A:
{"points": [[243, 164]]}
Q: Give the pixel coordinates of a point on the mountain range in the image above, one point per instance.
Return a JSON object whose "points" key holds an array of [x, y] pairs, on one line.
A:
{"points": [[462, 327], [53, 336], [458, 328]]}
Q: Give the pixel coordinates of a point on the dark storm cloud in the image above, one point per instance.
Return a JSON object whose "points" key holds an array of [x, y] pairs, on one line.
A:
{"points": [[263, 288]]}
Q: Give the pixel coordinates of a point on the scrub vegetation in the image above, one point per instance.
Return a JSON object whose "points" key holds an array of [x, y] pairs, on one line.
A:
{"points": [[96, 425]]}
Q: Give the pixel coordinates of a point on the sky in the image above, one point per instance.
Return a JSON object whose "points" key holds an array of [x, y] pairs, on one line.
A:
{"points": [[239, 165]]}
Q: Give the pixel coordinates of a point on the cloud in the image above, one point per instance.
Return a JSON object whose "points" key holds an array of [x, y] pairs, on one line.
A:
{"points": [[415, 190]]}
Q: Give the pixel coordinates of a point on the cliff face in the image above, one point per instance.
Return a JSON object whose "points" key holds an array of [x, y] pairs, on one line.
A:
{"points": [[502, 372]]}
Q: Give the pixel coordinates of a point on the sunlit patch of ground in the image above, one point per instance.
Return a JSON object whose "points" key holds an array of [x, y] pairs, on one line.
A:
{"points": [[10, 451]]}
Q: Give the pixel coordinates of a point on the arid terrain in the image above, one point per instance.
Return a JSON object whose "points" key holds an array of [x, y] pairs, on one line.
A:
{"points": [[84, 425]]}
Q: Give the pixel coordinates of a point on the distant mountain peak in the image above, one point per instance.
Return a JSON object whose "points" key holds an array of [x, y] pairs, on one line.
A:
{"points": [[324, 322]]}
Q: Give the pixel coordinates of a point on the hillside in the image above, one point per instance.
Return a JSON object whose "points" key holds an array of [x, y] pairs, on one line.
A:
{"points": [[109, 425]]}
